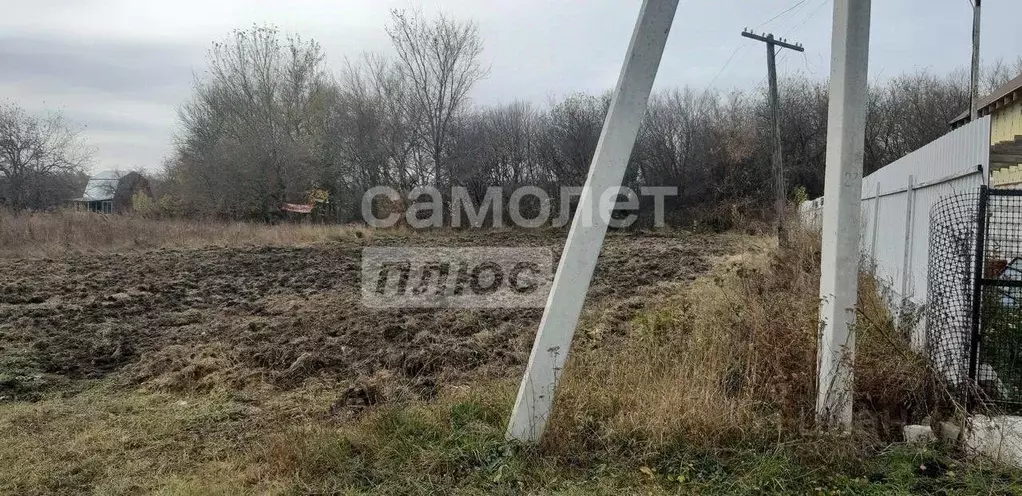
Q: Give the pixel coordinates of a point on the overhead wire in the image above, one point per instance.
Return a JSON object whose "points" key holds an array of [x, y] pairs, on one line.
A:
{"points": [[794, 29], [772, 19], [729, 59], [812, 14]]}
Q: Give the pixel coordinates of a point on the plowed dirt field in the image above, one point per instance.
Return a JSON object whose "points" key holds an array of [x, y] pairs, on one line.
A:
{"points": [[194, 319]]}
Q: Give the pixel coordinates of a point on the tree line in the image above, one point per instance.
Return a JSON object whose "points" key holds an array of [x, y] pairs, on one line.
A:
{"points": [[270, 123]]}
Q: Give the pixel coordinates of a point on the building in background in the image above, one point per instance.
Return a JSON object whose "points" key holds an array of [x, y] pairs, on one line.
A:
{"points": [[111, 192], [1004, 106]]}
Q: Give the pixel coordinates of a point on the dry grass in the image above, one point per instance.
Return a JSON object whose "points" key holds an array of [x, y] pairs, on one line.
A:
{"points": [[38, 235], [108, 442], [732, 362]]}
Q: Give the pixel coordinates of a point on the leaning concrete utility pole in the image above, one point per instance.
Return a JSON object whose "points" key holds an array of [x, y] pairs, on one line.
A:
{"points": [[589, 226], [839, 263], [780, 192], [974, 82]]}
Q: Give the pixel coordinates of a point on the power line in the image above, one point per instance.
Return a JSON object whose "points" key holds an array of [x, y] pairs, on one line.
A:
{"points": [[794, 29], [809, 17], [729, 59], [789, 9], [806, 61]]}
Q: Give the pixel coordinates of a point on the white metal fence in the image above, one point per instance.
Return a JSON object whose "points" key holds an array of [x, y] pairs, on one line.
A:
{"points": [[896, 204]]}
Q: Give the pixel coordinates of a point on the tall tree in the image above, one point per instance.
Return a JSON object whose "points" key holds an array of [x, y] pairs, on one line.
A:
{"points": [[251, 132], [440, 61], [36, 153]]}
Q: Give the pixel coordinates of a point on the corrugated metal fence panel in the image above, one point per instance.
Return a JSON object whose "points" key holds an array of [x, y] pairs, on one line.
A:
{"points": [[899, 242], [965, 148], [895, 228], [889, 246]]}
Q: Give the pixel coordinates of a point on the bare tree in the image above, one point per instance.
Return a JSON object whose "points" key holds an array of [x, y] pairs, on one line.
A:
{"points": [[676, 141], [440, 61], [252, 132], [998, 73], [804, 131], [36, 153], [513, 146], [572, 131], [372, 123]]}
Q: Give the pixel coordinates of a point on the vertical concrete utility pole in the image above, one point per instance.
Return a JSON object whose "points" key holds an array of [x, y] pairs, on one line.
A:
{"points": [[585, 239], [839, 271], [780, 191], [974, 81]]}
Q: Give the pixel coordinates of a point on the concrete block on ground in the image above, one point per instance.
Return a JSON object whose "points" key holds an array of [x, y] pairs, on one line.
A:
{"points": [[998, 438], [950, 431], [919, 434]]}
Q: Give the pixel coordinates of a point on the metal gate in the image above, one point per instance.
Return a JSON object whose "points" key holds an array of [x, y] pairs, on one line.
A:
{"points": [[974, 302], [995, 360]]}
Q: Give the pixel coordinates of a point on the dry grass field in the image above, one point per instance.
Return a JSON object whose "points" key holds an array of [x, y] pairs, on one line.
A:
{"points": [[143, 356], [40, 235]]}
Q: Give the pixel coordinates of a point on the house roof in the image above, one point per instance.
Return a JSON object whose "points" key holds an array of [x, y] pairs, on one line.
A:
{"points": [[101, 186], [994, 96]]}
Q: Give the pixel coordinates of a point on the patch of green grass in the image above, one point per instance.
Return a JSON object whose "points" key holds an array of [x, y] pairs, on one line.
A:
{"points": [[457, 446], [456, 443], [108, 440]]}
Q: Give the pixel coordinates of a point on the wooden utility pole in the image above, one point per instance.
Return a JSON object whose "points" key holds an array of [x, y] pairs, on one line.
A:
{"points": [[974, 82], [780, 200]]}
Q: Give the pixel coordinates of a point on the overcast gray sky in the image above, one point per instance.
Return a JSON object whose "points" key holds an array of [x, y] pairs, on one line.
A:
{"points": [[121, 67]]}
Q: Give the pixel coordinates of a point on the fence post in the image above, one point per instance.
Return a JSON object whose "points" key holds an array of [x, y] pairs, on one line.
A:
{"points": [[977, 287], [876, 223], [906, 262], [906, 270]]}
